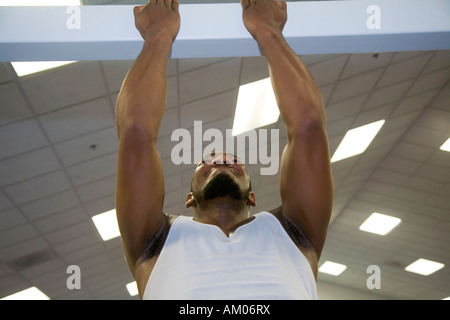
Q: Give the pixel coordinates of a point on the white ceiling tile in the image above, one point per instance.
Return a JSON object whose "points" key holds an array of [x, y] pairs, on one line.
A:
{"points": [[60, 220], [27, 165], [328, 71], [372, 115], [64, 86], [10, 218], [23, 248], [188, 64], [414, 103], [101, 205], [13, 104], [435, 119], [432, 172], [209, 109], [441, 59], [172, 92], [403, 70], [399, 164], [97, 189], [17, 234], [430, 81], [87, 147], [95, 169], [76, 237], [49, 205], [209, 80], [74, 231], [441, 101], [115, 72], [254, 69], [20, 137], [169, 122], [4, 202], [363, 62], [388, 94], [78, 120], [5, 74], [355, 86], [32, 189]]}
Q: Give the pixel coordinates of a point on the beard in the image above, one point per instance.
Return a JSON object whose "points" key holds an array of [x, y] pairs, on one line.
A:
{"points": [[221, 185]]}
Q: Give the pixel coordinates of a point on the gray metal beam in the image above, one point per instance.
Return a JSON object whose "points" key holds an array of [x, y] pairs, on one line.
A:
{"points": [[216, 30]]}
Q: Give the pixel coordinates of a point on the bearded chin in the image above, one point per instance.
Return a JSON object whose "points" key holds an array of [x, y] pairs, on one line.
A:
{"points": [[221, 185]]}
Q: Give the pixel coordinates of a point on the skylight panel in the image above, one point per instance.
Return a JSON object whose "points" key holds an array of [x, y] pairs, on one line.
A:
{"points": [[357, 140], [256, 107], [332, 268], [424, 267], [132, 288], [379, 223], [446, 146], [106, 224], [32, 293], [30, 67]]}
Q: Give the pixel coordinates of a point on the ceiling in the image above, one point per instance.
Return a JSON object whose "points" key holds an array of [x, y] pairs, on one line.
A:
{"points": [[58, 153]]}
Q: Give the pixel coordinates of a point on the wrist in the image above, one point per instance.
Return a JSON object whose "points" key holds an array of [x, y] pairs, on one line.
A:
{"points": [[161, 36], [265, 33]]}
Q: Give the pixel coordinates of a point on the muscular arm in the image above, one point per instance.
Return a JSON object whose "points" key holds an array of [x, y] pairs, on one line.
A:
{"points": [[140, 107], [305, 176]]}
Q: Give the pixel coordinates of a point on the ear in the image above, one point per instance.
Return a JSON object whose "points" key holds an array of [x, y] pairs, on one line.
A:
{"points": [[251, 199], [190, 201]]}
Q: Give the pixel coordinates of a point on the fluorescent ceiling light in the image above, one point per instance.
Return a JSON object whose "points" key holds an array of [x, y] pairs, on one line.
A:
{"points": [[446, 145], [32, 293], [34, 3], [26, 68], [379, 223], [256, 106], [424, 267], [132, 288], [357, 140], [106, 224], [332, 268]]}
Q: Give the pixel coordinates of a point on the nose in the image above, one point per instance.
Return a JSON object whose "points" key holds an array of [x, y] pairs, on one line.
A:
{"points": [[220, 160]]}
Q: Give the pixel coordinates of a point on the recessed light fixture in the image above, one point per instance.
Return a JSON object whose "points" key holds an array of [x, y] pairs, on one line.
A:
{"points": [[332, 268], [446, 146], [32, 293], [28, 67], [106, 224], [357, 140], [132, 288], [35, 3], [379, 223], [424, 267], [256, 107]]}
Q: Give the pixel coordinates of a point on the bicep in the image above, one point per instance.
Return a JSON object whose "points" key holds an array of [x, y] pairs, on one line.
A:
{"points": [[306, 184], [139, 191]]}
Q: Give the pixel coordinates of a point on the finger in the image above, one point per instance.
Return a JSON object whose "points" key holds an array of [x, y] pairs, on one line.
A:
{"points": [[245, 4], [175, 4], [137, 10]]}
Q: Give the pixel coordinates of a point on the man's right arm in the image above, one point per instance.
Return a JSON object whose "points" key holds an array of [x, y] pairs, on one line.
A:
{"points": [[140, 108]]}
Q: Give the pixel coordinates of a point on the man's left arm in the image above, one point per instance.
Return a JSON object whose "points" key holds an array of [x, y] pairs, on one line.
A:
{"points": [[306, 185]]}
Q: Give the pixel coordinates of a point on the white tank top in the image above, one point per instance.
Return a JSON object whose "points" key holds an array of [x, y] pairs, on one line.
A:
{"points": [[258, 261]]}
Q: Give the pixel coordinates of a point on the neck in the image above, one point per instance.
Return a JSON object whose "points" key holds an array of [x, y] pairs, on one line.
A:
{"points": [[223, 212]]}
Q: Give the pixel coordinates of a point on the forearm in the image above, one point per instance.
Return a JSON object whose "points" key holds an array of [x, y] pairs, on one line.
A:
{"points": [[298, 96], [141, 101]]}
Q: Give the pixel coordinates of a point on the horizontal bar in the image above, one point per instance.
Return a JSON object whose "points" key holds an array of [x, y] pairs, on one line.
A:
{"points": [[216, 30]]}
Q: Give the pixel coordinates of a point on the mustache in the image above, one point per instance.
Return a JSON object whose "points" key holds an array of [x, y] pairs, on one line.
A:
{"points": [[221, 185]]}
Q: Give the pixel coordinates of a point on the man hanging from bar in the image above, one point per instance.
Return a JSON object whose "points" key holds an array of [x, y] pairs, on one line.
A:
{"points": [[222, 252]]}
